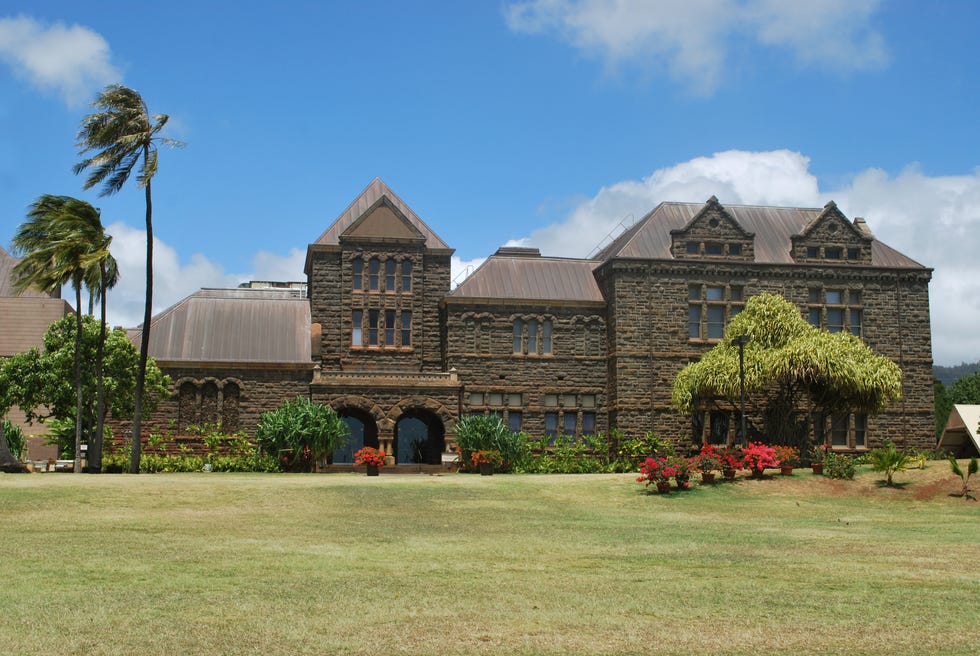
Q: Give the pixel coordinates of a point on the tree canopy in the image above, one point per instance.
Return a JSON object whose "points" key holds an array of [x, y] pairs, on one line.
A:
{"points": [[40, 381], [787, 363]]}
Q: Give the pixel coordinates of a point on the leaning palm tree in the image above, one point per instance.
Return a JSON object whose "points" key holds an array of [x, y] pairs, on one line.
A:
{"points": [[124, 136], [102, 275], [57, 243]]}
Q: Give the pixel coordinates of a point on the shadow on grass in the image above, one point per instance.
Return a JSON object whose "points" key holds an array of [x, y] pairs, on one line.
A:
{"points": [[894, 485]]}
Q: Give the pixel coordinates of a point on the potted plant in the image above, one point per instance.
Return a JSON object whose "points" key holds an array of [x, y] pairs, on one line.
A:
{"points": [[485, 460], [757, 457], [817, 456], [657, 471], [373, 459], [788, 457], [682, 470], [708, 462], [731, 462]]}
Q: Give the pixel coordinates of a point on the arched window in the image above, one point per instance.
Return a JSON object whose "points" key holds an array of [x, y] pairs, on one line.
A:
{"points": [[358, 274], [187, 406], [209, 403], [229, 407]]}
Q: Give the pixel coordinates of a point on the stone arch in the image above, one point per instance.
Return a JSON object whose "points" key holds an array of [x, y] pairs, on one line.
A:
{"points": [[188, 404], [210, 402], [420, 430], [230, 399]]}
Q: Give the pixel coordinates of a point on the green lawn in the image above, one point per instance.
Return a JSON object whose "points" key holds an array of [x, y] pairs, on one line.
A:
{"points": [[462, 564]]}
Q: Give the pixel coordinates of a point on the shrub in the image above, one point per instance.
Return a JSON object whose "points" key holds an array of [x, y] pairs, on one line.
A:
{"points": [[838, 465], [568, 456], [15, 439], [488, 433], [971, 469], [788, 456], [889, 460], [758, 457], [301, 432]]}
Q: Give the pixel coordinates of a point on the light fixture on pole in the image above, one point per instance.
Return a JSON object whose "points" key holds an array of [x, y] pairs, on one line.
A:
{"points": [[741, 341]]}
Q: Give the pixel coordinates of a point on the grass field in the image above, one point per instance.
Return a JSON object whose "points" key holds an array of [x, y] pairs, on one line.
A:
{"points": [[462, 564]]}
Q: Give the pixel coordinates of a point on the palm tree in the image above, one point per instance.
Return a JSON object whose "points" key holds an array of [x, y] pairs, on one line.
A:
{"points": [[124, 136], [59, 242], [99, 279]]}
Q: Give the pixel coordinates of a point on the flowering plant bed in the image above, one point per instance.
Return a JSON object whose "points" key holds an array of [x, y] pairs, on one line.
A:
{"points": [[486, 457], [757, 457], [788, 456], [369, 456]]}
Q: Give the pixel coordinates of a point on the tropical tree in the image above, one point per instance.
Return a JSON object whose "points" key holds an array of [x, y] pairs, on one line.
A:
{"points": [[788, 365], [60, 242], [124, 136], [39, 381]]}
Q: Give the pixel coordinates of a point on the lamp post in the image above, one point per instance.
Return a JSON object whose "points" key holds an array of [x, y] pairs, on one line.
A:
{"points": [[741, 341]]}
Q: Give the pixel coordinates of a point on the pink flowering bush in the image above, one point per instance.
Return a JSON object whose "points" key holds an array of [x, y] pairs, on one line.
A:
{"points": [[758, 457], [656, 470]]}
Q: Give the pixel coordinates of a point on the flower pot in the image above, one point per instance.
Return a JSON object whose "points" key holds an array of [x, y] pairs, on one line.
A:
{"points": [[373, 470], [707, 478], [486, 469], [818, 468], [758, 472], [663, 487], [683, 482], [786, 470], [729, 473]]}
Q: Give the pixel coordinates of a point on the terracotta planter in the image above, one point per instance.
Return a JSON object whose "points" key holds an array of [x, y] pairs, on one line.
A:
{"points": [[486, 469], [373, 470], [683, 482], [729, 474], [758, 472], [786, 471], [707, 478], [818, 468], [663, 487]]}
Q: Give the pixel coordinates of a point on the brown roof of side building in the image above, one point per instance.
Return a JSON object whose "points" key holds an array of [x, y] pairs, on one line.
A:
{"points": [[774, 228], [521, 274], [7, 264], [248, 326], [26, 319]]}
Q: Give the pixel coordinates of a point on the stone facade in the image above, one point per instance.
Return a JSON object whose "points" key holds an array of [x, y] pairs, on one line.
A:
{"points": [[569, 346]]}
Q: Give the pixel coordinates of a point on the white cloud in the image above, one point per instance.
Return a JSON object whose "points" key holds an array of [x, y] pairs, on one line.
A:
{"points": [[72, 61], [461, 269], [690, 37], [271, 266], [934, 220]]}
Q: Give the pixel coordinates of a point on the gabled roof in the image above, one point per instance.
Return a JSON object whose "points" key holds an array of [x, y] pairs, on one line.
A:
{"points": [[961, 433], [523, 275], [7, 264], [774, 229], [24, 321], [233, 325], [368, 200]]}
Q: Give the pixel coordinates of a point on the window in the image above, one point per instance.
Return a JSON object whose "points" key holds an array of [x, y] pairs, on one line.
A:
{"points": [[710, 309], [358, 274], [835, 310], [568, 425], [720, 422], [714, 248], [854, 253], [533, 337], [833, 253], [693, 248], [812, 252], [518, 336], [734, 249], [551, 426], [356, 318], [389, 275], [374, 266], [588, 423], [406, 329], [514, 421], [372, 327], [847, 431], [389, 327], [406, 276], [546, 336]]}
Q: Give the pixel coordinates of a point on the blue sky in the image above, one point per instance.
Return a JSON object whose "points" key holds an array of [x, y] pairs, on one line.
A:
{"points": [[543, 123]]}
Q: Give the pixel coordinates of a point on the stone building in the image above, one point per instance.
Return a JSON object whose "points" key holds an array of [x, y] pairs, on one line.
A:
{"points": [[552, 345]]}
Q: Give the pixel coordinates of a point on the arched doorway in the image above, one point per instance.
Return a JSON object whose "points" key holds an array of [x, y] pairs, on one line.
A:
{"points": [[420, 438], [363, 432]]}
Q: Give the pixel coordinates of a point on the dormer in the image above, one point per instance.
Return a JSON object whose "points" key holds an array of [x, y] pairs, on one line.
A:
{"points": [[383, 222], [832, 239], [713, 234]]}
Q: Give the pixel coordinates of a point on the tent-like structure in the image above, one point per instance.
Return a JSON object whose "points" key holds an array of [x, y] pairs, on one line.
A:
{"points": [[961, 437]]}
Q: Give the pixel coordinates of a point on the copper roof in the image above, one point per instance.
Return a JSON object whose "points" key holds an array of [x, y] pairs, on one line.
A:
{"points": [[24, 320], [233, 325], [526, 276], [7, 264], [774, 228], [371, 194]]}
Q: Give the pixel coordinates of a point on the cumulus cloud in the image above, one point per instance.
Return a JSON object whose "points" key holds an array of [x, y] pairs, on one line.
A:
{"points": [[70, 60], [690, 37], [933, 220], [461, 269]]}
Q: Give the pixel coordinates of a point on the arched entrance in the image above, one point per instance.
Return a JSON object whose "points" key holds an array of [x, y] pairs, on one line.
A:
{"points": [[420, 438], [363, 432]]}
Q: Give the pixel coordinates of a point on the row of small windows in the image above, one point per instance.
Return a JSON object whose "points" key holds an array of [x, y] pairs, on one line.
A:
{"points": [[208, 404], [393, 273], [533, 337], [385, 328], [845, 431], [833, 253], [716, 248], [570, 423]]}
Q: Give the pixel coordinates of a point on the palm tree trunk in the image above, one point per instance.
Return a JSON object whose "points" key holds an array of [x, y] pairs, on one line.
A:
{"points": [[78, 376], [134, 456], [95, 448]]}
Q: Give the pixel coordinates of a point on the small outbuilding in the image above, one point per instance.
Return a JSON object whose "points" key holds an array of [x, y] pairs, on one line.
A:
{"points": [[960, 437]]}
